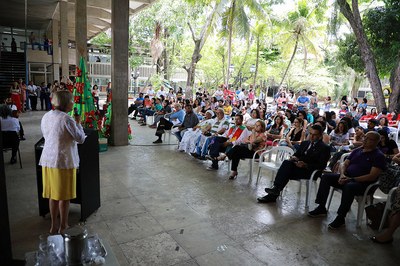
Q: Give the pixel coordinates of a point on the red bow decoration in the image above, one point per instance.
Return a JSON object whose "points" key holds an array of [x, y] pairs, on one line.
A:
{"points": [[78, 72], [70, 87], [77, 99]]}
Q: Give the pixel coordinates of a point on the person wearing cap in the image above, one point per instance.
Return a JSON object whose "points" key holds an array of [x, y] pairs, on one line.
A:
{"points": [[188, 142]]}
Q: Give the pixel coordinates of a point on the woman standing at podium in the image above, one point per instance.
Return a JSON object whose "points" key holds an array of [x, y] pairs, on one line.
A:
{"points": [[60, 157]]}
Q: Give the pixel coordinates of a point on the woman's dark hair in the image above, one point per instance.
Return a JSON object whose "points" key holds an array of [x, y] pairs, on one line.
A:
{"points": [[5, 111], [257, 112], [328, 116], [386, 121], [345, 128], [348, 121], [214, 99], [303, 113], [365, 100], [344, 98], [322, 123], [275, 124], [373, 109], [355, 99], [384, 133]]}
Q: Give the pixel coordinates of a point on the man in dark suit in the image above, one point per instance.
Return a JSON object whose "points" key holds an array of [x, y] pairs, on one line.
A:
{"points": [[312, 155]]}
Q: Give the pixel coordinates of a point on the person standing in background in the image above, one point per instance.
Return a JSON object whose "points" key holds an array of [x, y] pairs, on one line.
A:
{"points": [[60, 159]]}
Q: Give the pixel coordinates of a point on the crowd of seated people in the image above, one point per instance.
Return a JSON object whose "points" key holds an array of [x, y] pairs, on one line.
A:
{"points": [[219, 126]]}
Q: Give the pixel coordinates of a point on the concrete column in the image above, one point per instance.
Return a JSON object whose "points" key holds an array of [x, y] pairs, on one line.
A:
{"points": [[81, 30], [56, 50], [119, 71], [64, 37]]}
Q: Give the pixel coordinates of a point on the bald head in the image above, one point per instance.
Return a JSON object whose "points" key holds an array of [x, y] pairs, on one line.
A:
{"points": [[371, 140]]}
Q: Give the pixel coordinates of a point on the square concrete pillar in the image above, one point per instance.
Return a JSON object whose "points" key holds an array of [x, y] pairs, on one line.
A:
{"points": [[56, 49], [64, 37], [119, 71], [81, 30]]}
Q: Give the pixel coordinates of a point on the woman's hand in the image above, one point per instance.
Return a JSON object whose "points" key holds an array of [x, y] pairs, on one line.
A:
{"points": [[77, 119]]}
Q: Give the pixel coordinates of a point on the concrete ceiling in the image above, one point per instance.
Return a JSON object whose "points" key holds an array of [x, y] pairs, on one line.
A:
{"points": [[41, 12]]}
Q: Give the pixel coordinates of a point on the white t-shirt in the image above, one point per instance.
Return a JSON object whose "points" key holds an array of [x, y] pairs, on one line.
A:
{"points": [[9, 124]]}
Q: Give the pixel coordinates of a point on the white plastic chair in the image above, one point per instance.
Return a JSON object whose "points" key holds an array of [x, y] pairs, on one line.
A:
{"points": [[273, 158], [388, 207], [361, 200], [394, 134], [309, 183]]}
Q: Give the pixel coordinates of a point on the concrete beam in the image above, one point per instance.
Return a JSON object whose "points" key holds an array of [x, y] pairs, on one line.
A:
{"points": [[81, 30]]}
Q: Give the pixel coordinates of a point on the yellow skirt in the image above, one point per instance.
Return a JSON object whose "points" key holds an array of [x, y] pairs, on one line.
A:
{"points": [[59, 184]]}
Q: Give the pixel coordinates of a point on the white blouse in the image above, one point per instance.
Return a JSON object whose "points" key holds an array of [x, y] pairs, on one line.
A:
{"points": [[61, 134], [9, 124]]}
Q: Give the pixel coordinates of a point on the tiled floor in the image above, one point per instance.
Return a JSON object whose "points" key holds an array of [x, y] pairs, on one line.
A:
{"points": [[161, 207]]}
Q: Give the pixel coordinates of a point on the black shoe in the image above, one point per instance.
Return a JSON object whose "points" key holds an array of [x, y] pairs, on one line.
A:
{"points": [[195, 155], [318, 212], [143, 124], [208, 157], [273, 191], [157, 141], [13, 160], [337, 223], [202, 158], [267, 199], [22, 138]]}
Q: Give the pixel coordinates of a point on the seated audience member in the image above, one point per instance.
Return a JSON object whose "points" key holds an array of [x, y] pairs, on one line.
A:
{"points": [[188, 142], [275, 131], [246, 115], [166, 109], [384, 113], [372, 123], [393, 220], [359, 170], [219, 126], [384, 124], [227, 108], [342, 111], [309, 116], [190, 121], [234, 136], [312, 155], [330, 122], [155, 108], [303, 115], [254, 143], [296, 134], [358, 137], [386, 237], [10, 130], [325, 137], [138, 102], [175, 119], [387, 146], [360, 113], [251, 122], [352, 123], [289, 115], [146, 104], [340, 137], [15, 113]]}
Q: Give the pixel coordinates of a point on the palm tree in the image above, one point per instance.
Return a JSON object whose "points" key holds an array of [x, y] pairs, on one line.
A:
{"points": [[303, 26], [236, 18]]}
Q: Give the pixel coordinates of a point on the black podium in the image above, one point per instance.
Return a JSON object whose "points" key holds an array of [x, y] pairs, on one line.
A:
{"points": [[87, 176]]}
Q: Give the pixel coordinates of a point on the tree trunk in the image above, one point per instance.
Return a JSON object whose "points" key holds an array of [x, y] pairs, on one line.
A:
{"points": [[165, 55], [257, 60], [367, 56], [356, 85], [230, 30], [394, 102], [290, 62]]}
